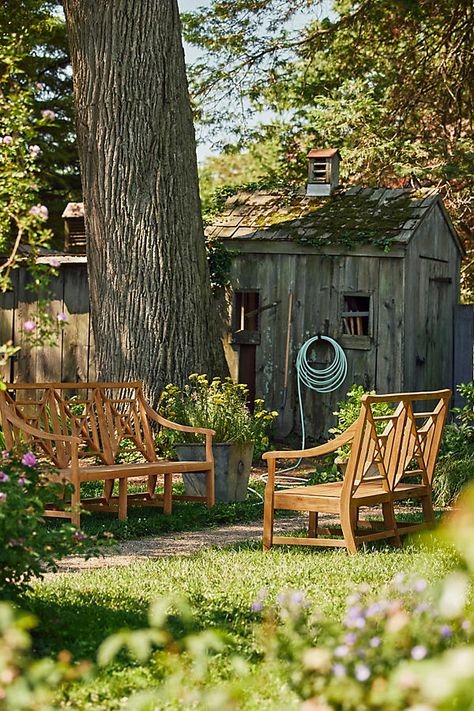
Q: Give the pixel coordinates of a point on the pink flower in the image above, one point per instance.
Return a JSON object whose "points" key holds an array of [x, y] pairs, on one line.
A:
{"points": [[35, 151], [55, 262], [29, 326], [43, 212], [7, 140], [62, 316], [4, 478], [23, 480], [361, 672], [3, 496], [29, 459], [35, 210], [419, 652], [48, 115]]}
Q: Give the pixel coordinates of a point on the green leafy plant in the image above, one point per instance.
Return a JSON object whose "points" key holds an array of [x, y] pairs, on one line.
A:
{"points": [[29, 547], [28, 683], [218, 404], [348, 411]]}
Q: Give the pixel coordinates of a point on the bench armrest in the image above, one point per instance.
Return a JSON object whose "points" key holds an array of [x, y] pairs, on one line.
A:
{"points": [[174, 425], [39, 434], [321, 449]]}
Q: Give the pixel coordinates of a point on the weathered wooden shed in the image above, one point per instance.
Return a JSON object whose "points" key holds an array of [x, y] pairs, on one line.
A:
{"points": [[375, 269]]}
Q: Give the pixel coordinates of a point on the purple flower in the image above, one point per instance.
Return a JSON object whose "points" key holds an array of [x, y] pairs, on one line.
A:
{"points": [[3, 497], [375, 642], [7, 140], [80, 536], [374, 609], [466, 625], [29, 326], [62, 316], [420, 585], [419, 652], [339, 670], [422, 607], [23, 480], [44, 212], [5, 454], [4, 478], [55, 262], [29, 459], [350, 638], [361, 672], [257, 606], [48, 115], [446, 631], [297, 598], [341, 651]]}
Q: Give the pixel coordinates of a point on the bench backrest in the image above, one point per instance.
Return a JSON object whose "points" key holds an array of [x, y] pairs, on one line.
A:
{"points": [[403, 445], [102, 415]]}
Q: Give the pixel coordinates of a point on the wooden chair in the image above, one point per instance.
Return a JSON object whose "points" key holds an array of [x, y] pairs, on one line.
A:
{"points": [[404, 447], [99, 432]]}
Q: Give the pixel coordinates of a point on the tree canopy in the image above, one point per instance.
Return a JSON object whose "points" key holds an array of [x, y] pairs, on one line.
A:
{"points": [[388, 82]]}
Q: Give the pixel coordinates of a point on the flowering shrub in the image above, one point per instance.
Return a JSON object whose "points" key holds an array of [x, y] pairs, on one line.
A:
{"points": [[28, 546], [350, 665], [220, 405]]}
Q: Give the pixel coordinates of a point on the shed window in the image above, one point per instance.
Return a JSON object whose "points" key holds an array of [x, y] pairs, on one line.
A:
{"points": [[246, 311], [355, 315], [320, 170]]}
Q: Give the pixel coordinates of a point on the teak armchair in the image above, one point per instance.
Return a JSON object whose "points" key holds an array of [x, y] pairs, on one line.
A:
{"points": [[404, 447]]}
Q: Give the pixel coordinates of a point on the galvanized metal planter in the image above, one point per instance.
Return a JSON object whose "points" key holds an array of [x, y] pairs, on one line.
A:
{"points": [[232, 464]]}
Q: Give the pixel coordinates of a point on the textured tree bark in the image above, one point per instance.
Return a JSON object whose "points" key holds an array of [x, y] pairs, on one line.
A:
{"points": [[151, 302]]}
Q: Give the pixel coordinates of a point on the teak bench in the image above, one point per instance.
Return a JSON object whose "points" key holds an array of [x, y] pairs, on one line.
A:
{"points": [[84, 428], [403, 446]]}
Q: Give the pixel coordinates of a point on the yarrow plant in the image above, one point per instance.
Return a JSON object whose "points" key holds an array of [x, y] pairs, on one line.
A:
{"points": [[220, 405], [29, 547]]}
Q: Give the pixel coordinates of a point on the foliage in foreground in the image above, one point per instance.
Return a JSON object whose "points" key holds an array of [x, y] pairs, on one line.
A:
{"points": [[29, 547]]}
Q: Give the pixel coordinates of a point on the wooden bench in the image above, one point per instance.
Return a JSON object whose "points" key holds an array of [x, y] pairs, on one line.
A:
{"points": [[84, 429], [403, 446]]}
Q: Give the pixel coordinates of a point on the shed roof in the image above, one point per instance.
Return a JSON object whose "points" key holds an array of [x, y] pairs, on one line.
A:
{"points": [[350, 216]]}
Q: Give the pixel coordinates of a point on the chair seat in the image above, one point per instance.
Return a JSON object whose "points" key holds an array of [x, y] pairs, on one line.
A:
{"points": [[327, 497]]}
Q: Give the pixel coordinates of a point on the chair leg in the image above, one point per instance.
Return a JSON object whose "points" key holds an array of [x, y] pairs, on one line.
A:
{"points": [[313, 524], [268, 514], [349, 517], [168, 493], [391, 522], [428, 512], [76, 506]]}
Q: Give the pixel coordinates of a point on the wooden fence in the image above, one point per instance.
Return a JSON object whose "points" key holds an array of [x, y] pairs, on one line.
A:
{"points": [[71, 359]]}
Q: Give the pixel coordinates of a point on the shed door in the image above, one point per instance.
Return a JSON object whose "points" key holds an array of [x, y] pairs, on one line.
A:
{"points": [[434, 337]]}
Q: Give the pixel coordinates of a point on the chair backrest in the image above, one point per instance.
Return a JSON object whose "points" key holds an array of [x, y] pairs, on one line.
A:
{"points": [[403, 445], [102, 415]]}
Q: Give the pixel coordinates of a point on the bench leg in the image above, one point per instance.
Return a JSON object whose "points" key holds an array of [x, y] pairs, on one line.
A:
{"points": [[211, 498], [151, 485], [168, 493], [122, 502], [268, 515], [108, 489], [76, 506], [313, 524], [349, 517]]}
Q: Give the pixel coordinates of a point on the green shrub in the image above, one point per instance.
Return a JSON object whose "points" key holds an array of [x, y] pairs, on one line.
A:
{"points": [[29, 547]]}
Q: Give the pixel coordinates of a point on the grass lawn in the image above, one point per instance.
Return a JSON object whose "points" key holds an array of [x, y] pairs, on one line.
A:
{"points": [[77, 611]]}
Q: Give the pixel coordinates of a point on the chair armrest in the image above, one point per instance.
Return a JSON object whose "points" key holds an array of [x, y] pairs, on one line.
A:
{"points": [[174, 425], [39, 434], [321, 449]]}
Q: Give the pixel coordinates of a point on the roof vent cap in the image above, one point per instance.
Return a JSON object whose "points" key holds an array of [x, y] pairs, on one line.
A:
{"points": [[323, 171]]}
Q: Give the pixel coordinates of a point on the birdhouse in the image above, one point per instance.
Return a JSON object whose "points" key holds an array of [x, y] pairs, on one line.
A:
{"points": [[323, 171]]}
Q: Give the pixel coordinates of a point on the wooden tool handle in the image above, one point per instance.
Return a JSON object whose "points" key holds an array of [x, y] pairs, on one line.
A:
{"points": [[288, 333]]}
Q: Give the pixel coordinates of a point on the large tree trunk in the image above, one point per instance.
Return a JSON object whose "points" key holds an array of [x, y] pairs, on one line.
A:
{"points": [[150, 293]]}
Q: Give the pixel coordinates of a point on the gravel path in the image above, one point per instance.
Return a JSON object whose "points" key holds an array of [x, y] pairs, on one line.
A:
{"points": [[182, 543]]}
